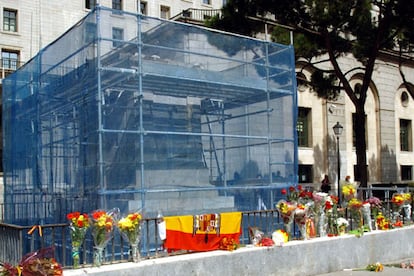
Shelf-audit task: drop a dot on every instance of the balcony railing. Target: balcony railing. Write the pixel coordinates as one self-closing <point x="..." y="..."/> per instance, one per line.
<point x="196" y="16"/>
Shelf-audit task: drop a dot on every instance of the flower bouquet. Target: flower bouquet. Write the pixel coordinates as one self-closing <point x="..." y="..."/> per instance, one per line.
<point x="287" y="211"/>
<point x="102" y="224"/>
<point x="228" y="244"/>
<point x="320" y="200"/>
<point x="331" y="211"/>
<point x="401" y="202"/>
<point x="300" y="217"/>
<point x="355" y="206"/>
<point x="349" y="192"/>
<point x="280" y="237"/>
<point x="292" y="194"/>
<point x="382" y="222"/>
<point x="41" y="262"/>
<point x="342" y="225"/>
<point x="375" y="205"/>
<point x="130" y="228"/>
<point x="78" y="226"/>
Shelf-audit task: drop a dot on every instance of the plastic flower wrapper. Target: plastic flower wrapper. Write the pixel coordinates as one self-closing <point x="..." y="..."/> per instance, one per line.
<point x="256" y="235"/>
<point x="79" y="224"/>
<point x="286" y="211"/>
<point x="38" y="263"/>
<point x="102" y="226"/>
<point x="280" y="237"/>
<point x="300" y="217"/>
<point x="366" y="212"/>
<point x="130" y="228"/>
<point x="318" y="210"/>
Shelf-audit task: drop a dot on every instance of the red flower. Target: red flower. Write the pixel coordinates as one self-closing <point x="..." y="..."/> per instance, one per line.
<point x="97" y="214"/>
<point x="328" y="205"/>
<point x="300" y="187"/>
<point x="335" y="199"/>
<point x="291" y="189"/>
<point x="284" y="191"/>
<point x="73" y="215"/>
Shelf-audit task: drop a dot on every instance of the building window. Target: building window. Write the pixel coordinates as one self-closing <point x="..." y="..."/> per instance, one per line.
<point x="165" y="12"/>
<point x="207" y="2"/>
<point x="305" y="174"/>
<point x="354" y="138"/>
<point x="143" y="8"/>
<point x="9" y="59"/>
<point x="90" y="4"/>
<point x="406" y="173"/>
<point x="404" y="98"/>
<point x="117" y="34"/>
<point x="405" y="135"/>
<point x="303" y="127"/>
<point x="9" y="62"/>
<point x="117" y="5"/>
<point x="10" y="20"/>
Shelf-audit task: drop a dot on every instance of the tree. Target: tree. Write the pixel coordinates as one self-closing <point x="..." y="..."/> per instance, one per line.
<point x="329" y="29"/>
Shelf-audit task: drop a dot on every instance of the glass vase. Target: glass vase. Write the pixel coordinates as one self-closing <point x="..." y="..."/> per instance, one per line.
<point x="303" y="233"/>
<point x="407" y="212"/>
<point x="98" y="256"/>
<point x="288" y="229"/>
<point x="134" y="253"/>
<point x="75" y="256"/>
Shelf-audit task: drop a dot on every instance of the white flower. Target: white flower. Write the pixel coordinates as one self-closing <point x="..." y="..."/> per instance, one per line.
<point x="342" y="222"/>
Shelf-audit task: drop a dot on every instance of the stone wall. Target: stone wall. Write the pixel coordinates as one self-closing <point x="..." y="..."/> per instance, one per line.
<point x="312" y="257"/>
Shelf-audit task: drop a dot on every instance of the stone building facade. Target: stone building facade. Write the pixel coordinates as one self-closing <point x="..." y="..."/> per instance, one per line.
<point x="26" y="26"/>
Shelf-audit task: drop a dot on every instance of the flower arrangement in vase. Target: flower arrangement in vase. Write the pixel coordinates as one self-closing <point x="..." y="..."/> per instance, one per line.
<point x="401" y="201"/>
<point x="331" y="210"/>
<point x="318" y="210"/>
<point x="287" y="211"/>
<point x="102" y="225"/>
<point x="355" y="206"/>
<point x="130" y="228"/>
<point x="79" y="224"/>
<point x="382" y="222"/>
<point x="342" y="225"/>
<point x="300" y="218"/>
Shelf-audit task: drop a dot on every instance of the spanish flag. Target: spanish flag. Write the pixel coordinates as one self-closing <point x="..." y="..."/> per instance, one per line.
<point x="201" y="232"/>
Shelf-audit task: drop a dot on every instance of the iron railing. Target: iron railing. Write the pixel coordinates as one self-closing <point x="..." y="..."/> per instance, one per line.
<point x="196" y="16"/>
<point x="18" y="242"/>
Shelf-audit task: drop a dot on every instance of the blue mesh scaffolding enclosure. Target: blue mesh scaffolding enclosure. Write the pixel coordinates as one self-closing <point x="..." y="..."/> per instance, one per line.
<point x="140" y="113"/>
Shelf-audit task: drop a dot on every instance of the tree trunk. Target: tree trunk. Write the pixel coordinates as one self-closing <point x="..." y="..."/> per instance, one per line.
<point x="360" y="144"/>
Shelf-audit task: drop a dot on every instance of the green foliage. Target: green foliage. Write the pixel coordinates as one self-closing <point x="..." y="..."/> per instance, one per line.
<point x="331" y="29"/>
<point x="324" y="85"/>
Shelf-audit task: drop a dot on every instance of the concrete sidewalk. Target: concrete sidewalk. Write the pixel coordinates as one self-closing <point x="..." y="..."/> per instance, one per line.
<point x="388" y="271"/>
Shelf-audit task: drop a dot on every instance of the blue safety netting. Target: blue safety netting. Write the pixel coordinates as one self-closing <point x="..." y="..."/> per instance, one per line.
<point x="134" y="112"/>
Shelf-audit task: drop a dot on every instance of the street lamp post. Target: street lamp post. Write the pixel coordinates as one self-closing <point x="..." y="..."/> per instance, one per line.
<point x="338" y="131"/>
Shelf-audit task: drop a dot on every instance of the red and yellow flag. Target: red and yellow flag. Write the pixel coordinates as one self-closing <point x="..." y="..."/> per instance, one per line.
<point x="203" y="232"/>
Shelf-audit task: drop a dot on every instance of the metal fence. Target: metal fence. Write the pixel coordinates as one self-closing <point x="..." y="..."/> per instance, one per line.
<point x="19" y="242"/>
